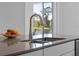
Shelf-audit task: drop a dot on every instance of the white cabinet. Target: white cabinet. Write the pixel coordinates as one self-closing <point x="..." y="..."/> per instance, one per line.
<point x="70" y="53"/>
<point x="35" y="53"/>
<point x="59" y="49"/>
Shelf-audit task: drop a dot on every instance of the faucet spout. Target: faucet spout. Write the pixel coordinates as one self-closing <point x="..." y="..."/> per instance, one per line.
<point x="30" y="29"/>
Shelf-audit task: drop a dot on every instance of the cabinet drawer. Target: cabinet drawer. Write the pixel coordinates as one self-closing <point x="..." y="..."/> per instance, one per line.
<point x="59" y="49"/>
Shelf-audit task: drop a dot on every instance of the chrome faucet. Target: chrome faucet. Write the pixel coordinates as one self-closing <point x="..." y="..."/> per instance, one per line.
<point x="30" y="29"/>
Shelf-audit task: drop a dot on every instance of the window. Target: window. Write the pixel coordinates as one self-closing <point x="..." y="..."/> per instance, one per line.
<point x="45" y="10"/>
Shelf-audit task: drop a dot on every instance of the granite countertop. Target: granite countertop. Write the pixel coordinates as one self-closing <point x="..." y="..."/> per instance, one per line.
<point x="20" y="45"/>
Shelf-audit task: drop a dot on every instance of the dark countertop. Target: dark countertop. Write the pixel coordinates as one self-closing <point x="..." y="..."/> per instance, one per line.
<point x="18" y="46"/>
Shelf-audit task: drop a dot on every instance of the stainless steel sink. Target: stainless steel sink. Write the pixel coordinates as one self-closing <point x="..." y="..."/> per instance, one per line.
<point x="39" y="41"/>
<point x="53" y="39"/>
<point x="46" y="40"/>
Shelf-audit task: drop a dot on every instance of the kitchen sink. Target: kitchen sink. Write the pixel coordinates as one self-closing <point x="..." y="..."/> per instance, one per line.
<point x="53" y="39"/>
<point x="46" y="40"/>
<point x="39" y="41"/>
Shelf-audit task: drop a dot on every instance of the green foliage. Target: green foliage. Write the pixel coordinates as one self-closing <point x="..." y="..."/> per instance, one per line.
<point x="38" y="26"/>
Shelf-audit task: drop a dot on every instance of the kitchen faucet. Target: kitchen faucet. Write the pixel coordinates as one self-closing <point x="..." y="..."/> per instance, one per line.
<point x="30" y="29"/>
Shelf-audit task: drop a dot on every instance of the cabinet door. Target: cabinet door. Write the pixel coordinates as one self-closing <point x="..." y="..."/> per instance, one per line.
<point x="70" y="53"/>
<point x="59" y="49"/>
<point x="35" y="53"/>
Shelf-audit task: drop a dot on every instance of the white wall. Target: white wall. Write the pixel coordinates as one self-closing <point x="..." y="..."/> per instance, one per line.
<point x="28" y="14"/>
<point x="12" y="15"/>
<point x="67" y="17"/>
